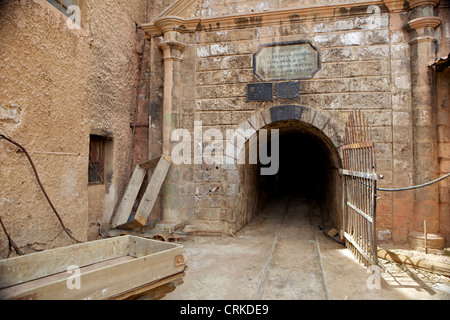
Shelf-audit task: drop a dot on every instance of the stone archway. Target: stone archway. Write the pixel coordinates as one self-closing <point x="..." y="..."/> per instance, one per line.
<point x="305" y="127"/>
<point x="331" y="128"/>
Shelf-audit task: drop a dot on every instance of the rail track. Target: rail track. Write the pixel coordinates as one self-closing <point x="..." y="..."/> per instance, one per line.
<point x="303" y="274"/>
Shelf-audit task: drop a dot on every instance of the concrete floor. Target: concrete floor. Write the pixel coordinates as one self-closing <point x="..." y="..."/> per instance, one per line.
<point x="276" y="257"/>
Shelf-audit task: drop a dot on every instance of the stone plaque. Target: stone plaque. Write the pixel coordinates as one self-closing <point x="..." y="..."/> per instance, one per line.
<point x="286" y="61"/>
<point x="259" y="92"/>
<point x="288" y="90"/>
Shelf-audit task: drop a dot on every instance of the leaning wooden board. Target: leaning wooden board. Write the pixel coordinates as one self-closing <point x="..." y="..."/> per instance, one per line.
<point x="107" y="269"/>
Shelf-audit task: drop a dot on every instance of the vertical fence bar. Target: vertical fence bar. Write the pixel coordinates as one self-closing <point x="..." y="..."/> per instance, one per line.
<point x="359" y="185"/>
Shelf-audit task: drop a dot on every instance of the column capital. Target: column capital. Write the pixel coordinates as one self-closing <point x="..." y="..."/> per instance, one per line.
<point x="169" y="23"/>
<point x="394" y="5"/>
<point x="424" y="22"/>
<point x="172" y="45"/>
<point x="170" y="29"/>
<point x="398" y="5"/>
<point x="419" y="32"/>
<point x="418" y="3"/>
<point x="172" y="49"/>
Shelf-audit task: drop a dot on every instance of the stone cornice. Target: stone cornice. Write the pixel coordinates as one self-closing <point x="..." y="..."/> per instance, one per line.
<point x="267" y="18"/>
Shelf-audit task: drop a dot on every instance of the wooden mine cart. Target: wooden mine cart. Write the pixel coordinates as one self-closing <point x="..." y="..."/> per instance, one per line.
<point x="126" y="267"/>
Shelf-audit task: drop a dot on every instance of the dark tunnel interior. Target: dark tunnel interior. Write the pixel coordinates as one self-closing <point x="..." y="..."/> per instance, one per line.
<point x="304" y="166"/>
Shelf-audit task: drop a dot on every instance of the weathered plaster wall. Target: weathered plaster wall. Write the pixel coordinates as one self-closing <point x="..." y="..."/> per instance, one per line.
<point x="43" y="105"/>
<point x="115" y="52"/>
<point x="58" y="86"/>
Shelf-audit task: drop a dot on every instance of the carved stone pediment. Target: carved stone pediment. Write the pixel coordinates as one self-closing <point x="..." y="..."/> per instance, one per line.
<point x="198" y="15"/>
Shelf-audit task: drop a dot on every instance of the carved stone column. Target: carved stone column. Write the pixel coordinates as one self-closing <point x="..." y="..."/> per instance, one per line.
<point x="421" y="27"/>
<point x="172" y="49"/>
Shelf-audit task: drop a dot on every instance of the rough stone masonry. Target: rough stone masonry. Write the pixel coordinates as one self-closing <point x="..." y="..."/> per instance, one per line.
<point x="373" y="56"/>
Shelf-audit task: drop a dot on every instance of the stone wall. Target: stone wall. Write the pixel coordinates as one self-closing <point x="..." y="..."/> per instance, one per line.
<point x="355" y="53"/>
<point x="365" y="64"/>
<point x="356" y="73"/>
<point x="443" y="123"/>
<point x="207" y="8"/>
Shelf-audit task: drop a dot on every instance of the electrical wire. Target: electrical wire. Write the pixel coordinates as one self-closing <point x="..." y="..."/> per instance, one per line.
<point x="10" y="240"/>
<point x="66" y="230"/>
<point x="330" y="237"/>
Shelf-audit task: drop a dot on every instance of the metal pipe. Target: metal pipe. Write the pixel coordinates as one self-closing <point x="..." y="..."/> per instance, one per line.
<point x="417" y="186"/>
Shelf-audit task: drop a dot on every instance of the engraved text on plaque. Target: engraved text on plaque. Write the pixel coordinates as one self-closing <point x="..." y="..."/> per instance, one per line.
<point x="287" y="60"/>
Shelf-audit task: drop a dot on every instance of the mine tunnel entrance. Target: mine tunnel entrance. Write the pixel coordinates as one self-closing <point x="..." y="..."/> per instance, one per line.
<point x="303" y="167"/>
<point x="308" y="171"/>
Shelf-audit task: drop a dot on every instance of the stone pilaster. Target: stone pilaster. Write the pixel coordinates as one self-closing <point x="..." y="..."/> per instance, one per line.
<point x="421" y="27"/>
<point x="172" y="49"/>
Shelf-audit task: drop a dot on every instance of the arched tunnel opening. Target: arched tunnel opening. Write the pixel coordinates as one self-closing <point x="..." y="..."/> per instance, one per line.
<point x="303" y="167"/>
<point x="307" y="171"/>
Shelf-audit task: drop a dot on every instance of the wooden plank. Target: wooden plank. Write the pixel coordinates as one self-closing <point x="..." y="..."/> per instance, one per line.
<point x="140" y="247"/>
<point x="145" y="289"/>
<point x="17" y="290"/>
<point x="128" y="199"/>
<point x="154" y="186"/>
<point x="150" y="164"/>
<point x="428" y="265"/>
<point x="137" y="222"/>
<point x="150" y="234"/>
<point x="40" y="264"/>
<point x="107" y="281"/>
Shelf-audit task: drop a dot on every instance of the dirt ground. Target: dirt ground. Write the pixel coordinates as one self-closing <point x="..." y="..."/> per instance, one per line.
<point x="281" y="256"/>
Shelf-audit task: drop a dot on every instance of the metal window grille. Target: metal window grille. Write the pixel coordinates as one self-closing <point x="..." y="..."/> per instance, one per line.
<point x="96" y="160"/>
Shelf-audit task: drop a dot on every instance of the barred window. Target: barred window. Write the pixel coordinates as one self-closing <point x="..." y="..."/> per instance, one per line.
<point x="96" y="160"/>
